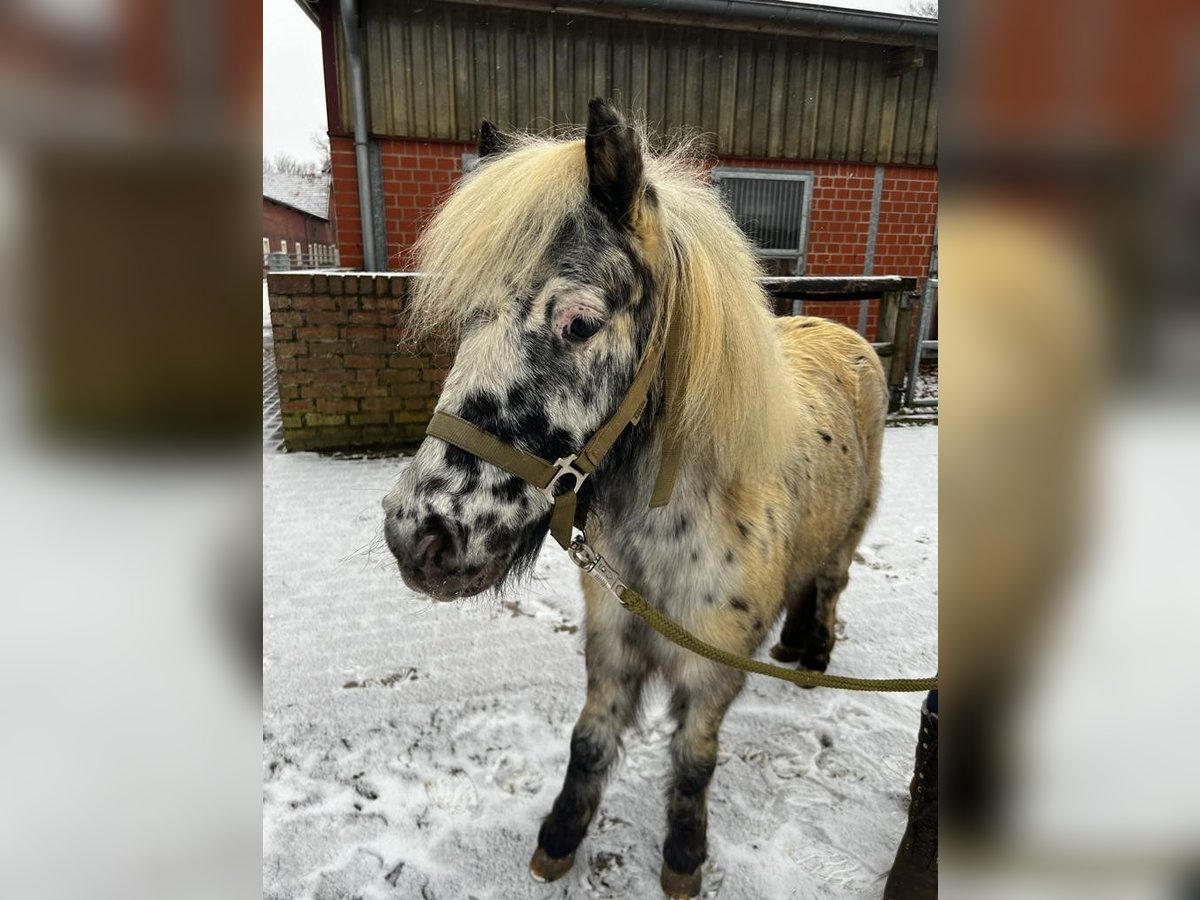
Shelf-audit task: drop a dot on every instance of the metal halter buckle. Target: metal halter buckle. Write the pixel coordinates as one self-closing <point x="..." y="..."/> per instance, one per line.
<point x="597" y="566"/>
<point x="565" y="466"/>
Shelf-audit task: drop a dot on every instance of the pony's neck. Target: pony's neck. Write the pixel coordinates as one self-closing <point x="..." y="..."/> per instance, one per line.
<point x="624" y="487"/>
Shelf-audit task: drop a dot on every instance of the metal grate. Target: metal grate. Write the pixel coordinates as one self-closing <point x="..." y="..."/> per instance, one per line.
<point x="770" y="207"/>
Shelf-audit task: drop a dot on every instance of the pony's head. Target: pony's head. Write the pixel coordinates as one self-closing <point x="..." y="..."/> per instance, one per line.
<point x="556" y="262"/>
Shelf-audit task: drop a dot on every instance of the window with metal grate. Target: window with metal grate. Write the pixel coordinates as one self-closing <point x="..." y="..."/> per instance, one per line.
<point x="771" y="207"/>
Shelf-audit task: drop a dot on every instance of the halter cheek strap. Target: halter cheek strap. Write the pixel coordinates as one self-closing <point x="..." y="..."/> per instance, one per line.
<point x="552" y="478"/>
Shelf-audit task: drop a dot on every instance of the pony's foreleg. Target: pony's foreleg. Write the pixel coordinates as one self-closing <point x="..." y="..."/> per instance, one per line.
<point x="699" y="712"/>
<point x="616" y="672"/>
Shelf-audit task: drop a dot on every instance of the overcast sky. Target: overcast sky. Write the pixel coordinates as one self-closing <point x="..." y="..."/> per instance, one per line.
<point x="293" y="91"/>
<point x="293" y="82"/>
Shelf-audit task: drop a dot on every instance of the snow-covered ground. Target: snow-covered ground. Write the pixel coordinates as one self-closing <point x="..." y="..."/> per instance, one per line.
<point x="411" y="749"/>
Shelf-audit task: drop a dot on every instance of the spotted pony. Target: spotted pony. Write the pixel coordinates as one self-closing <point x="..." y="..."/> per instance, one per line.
<point x="557" y="262"/>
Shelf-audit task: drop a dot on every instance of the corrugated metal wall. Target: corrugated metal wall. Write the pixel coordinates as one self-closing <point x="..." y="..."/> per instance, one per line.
<point x="436" y="69"/>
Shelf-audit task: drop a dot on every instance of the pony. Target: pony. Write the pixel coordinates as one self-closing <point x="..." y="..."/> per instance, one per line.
<point x="557" y="262"/>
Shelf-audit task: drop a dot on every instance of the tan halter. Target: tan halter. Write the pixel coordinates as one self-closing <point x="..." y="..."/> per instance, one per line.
<point x="550" y="477"/>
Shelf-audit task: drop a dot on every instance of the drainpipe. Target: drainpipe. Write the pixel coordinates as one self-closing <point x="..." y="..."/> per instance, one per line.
<point x="358" y="105"/>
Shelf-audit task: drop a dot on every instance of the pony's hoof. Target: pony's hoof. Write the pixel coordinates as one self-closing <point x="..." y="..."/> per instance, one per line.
<point x="678" y="886"/>
<point x="544" y="867"/>
<point x="785" y="654"/>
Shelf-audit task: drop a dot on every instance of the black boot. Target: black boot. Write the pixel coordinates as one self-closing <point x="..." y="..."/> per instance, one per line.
<point x="914" y="871"/>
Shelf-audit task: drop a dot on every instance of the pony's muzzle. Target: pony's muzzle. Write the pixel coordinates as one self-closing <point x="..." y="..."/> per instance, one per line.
<point x="431" y="559"/>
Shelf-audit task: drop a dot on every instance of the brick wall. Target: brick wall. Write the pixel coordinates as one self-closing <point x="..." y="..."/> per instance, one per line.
<point x="348" y="377"/>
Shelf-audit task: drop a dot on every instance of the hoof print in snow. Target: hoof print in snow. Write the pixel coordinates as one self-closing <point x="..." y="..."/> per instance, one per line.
<point x="515" y="777"/>
<point x="836" y="764"/>
<point x="453" y="792"/>
<point x="607" y="870"/>
<point x="790" y="766"/>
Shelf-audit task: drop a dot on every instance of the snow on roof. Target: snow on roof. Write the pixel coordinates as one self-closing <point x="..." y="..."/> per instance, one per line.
<point x="307" y="193"/>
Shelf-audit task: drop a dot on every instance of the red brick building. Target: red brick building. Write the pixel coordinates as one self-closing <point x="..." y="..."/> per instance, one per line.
<point x="296" y="220"/>
<point x="820" y="125"/>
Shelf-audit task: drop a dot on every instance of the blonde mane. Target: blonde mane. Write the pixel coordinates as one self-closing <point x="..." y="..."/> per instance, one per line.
<point x="736" y="410"/>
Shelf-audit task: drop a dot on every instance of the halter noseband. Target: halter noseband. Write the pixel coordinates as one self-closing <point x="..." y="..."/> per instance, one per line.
<point x="547" y="477"/>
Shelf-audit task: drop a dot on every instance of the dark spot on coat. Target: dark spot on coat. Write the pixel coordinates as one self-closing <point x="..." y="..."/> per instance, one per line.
<point x="739" y="604"/>
<point x="845" y="449"/>
<point x="434" y="484"/>
<point x="695" y="556"/>
<point x="744" y="529"/>
<point x="710" y="599"/>
<point x="729" y="557"/>
<point x="482" y="408"/>
<point x="509" y="489"/>
<point x="499" y="540"/>
<point x="457" y="458"/>
<point x="826" y="437"/>
<point x="681" y="527"/>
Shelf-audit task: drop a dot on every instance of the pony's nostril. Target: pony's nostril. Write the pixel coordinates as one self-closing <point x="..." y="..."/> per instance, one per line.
<point x="438" y="546"/>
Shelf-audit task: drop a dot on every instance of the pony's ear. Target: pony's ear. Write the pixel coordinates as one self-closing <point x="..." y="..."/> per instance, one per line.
<point x="614" y="162"/>
<point x="490" y="139"/>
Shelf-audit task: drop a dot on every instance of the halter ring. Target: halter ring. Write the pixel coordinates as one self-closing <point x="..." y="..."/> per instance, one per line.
<point x="565" y="466"/>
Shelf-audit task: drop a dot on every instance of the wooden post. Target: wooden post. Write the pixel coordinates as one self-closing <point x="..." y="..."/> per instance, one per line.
<point x="889" y="303"/>
<point x="901" y="347"/>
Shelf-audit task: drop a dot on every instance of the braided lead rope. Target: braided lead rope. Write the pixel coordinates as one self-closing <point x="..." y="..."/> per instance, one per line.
<point x="677" y="634"/>
<point x="597" y="566"/>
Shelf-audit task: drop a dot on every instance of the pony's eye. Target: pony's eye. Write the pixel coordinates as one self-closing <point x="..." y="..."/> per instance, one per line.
<point x="581" y="329"/>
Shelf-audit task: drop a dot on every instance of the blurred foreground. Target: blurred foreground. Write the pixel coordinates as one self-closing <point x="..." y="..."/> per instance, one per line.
<point x="128" y="459"/>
